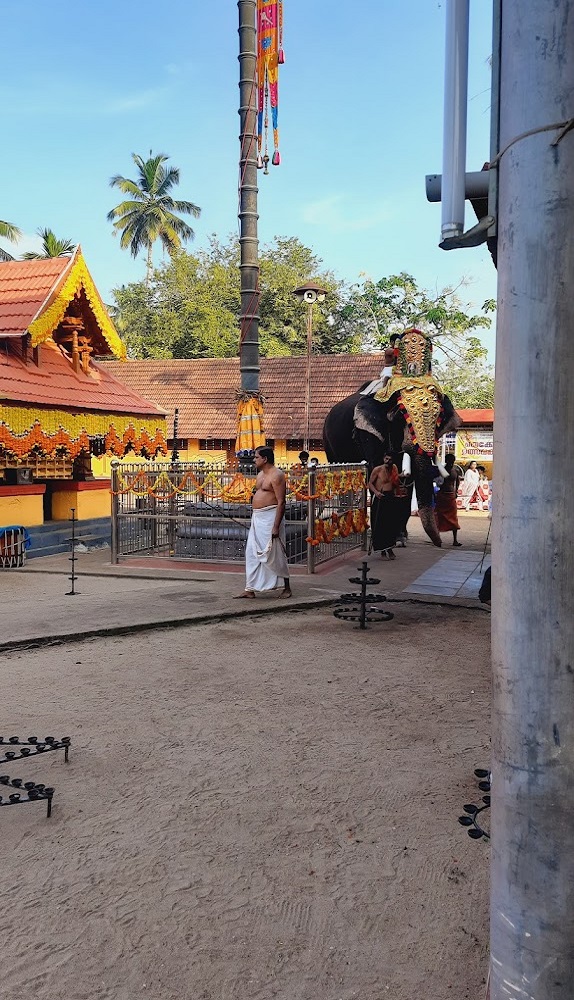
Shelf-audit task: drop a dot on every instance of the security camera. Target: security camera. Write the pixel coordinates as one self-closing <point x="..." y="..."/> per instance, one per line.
<point x="310" y="296"/>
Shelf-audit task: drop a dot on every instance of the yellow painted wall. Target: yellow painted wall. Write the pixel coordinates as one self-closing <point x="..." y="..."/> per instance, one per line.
<point x="101" y="467"/>
<point x="25" y="510"/>
<point x="87" y="503"/>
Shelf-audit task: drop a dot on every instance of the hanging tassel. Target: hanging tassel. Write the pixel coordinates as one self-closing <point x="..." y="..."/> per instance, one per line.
<point x="260" y="162"/>
<point x="281" y="57"/>
<point x="276" y="158"/>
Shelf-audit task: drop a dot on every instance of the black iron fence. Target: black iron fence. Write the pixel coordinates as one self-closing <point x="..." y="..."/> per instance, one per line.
<point x="195" y="510"/>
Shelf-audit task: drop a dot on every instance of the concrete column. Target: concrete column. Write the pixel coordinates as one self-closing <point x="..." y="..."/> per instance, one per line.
<point x="532" y="912"/>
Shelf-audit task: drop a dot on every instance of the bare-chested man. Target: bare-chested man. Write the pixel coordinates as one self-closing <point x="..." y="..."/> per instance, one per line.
<point x="385" y="512"/>
<point x="265" y="555"/>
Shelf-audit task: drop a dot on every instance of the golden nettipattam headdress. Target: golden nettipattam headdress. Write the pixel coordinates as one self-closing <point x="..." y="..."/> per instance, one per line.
<point x="415" y="354"/>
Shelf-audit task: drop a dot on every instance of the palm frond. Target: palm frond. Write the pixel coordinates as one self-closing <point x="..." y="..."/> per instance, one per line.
<point x="51" y="247"/>
<point x="153" y="213"/>
<point x="9" y="231"/>
<point x="127" y="186"/>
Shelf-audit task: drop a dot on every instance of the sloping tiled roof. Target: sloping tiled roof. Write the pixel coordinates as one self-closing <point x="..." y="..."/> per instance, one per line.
<point x="36" y="294"/>
<point x="25" y="286"/>
<point x="476" y="416"/>
<point x="54" y="383"/>
<point x="204" y="390"/>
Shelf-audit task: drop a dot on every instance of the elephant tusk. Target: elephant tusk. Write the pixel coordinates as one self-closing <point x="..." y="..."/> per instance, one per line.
<point x="406" y="466"/>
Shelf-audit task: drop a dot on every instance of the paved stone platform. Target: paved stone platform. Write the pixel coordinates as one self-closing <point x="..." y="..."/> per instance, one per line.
<point x="146" y="593"/>
<point x="458" y="574"/>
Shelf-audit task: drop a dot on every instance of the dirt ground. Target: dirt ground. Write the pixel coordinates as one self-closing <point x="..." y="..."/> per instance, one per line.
<point x="261" y="808"/>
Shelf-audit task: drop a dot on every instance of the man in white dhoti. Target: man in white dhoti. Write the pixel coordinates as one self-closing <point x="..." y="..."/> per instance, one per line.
<point x="265" y="556"/>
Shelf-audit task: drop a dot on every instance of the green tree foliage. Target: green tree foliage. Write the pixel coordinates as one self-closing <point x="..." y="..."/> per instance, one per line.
<point x="466" y="377"/>
<point x="190" y="309"/>
<point x="391" y="305"/>
<point x="151" y="213"/>
<point x="51" y="247"/>
<point x="10" y="232"/>
<point x="192" y="304"/>
<point x="377" y="309"/>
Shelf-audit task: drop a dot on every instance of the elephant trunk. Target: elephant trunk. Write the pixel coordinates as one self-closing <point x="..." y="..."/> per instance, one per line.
<point x="428" y="521"/>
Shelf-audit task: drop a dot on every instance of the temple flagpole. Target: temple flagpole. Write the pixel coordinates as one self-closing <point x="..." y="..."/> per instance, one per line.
<point x="248" y="190"/>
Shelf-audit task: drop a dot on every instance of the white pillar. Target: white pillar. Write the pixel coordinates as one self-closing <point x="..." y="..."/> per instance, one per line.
<point x="532" y="897"/>
<point x="455" y="104"/>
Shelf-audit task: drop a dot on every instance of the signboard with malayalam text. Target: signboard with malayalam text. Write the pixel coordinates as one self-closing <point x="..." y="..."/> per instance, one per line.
<point x="474" y="445"/>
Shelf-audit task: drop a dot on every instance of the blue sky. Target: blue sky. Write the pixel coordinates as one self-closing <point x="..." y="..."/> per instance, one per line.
<point x="361" y="95"/>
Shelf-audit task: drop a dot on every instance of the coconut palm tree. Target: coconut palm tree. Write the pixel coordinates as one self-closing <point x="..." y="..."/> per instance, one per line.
<point x="150" y="212"/>
<point x="51" y="247"/>
<point x="8" y="232"/>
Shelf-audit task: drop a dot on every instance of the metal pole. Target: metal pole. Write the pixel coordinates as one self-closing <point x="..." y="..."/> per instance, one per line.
<point x="174" y="476"/>
<point x="115" y="511"/>
<point x="311" y="515"/>
<point x="532" y="896"/>
<point x="364" y="498"/>
<point x="248" y="240"/>
<point x="455" y="101"/>
<point x="307" y="440"/>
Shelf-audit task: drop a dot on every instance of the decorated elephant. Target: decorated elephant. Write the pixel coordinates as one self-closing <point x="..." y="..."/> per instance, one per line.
<point x="406" y="415"/>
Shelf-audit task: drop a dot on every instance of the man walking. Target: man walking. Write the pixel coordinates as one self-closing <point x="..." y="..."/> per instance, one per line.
<point x="446" y="509"/>
<point x="265" y="555"/>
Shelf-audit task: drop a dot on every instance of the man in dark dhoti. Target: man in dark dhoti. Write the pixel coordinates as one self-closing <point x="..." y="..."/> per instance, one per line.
<point x="385" y="510"/>
<point x="446" y="510"/>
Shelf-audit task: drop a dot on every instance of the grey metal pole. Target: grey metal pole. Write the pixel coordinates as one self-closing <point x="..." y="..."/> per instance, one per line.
<point x="115" y="535"/>
<point x="532" y="896"/>
<point x="455" y="102"/>
<point x="307" y="438"/>
<point x="311" y="515"/>
<point x="248" y="239"/>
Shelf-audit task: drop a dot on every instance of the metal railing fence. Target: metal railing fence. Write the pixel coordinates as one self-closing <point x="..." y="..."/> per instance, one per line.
<point x="195" y="510"/>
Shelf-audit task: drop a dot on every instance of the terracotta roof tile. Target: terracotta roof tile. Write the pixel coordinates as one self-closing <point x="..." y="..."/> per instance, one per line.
<point x="204" y="390"/>
<point x="24" y="287"/>
<point x="54" y="383"/>
<point x="476" y="416"/>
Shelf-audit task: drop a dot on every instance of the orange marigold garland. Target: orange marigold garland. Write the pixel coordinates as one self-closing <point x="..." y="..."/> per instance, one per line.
<point x="43" y="437"/>
<point x="338" y="526"/>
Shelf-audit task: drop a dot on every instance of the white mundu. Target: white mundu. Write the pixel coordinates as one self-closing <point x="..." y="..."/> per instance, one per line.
<point x="266" y="566"/>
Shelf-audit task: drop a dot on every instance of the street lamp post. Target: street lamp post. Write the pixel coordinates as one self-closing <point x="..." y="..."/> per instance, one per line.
<point x="310" y="293"/>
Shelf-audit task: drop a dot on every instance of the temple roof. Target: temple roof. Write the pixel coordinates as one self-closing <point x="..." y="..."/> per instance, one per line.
<point x="476" y="416"/>
<point x="54" y="383"/>
<point x="37" y="299"/>
<point x="35" y="295"/>
<point x="204" y="390"/>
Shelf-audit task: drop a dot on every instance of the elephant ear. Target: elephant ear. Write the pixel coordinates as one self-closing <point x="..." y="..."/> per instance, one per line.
<point x="449" y="420"/>
<point x="371" y="416"/>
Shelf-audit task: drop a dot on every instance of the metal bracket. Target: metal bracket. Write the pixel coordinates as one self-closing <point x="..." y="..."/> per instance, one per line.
<point x="472" y="238"/>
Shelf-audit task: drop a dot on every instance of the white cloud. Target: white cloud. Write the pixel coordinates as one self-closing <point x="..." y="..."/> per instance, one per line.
<point x="340" y="214"/>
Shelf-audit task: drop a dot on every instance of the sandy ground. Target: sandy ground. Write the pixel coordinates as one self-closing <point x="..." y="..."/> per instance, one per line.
<point x="260" y="808"/>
